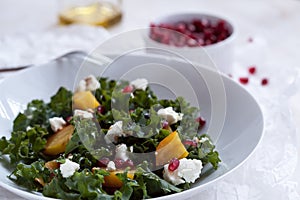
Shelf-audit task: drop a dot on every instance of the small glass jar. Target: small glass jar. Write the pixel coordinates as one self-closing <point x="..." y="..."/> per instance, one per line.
<point x="93" y="12"/>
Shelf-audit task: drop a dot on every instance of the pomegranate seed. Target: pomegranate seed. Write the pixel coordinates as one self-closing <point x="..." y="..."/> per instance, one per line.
<point x="244" y="80"/>
<point x="69" y="118"/>
<point x="192" y="43"/>
<point x="181" y="27"/>
<point x="189" y="142"/>
<point x="191" y="27"/>
<point x="103" y="162"/>
<point x="128" y="163"/>
<point x="119" y="163"/>
<point x="128" y="89"/>
<point x="165" y="125"/>
<point x="252" y="69"/>
<point x="250" y="39"/>
<point x="201" y="121"/>
<point x="173" y="164"/>
<point x="198" y="29"/>
<point x="264" y="81"/>
<point x="101" y="109"/>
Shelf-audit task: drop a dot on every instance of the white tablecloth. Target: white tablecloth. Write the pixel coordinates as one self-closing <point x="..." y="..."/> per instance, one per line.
<point x="274" y="26"/>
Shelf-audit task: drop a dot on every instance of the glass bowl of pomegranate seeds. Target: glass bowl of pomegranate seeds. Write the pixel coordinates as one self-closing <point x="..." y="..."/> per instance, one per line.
<point x="203" y="38"/>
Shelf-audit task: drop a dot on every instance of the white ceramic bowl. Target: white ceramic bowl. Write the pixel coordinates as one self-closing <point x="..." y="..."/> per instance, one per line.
<point x="218" y="55"/>
<point x="228" y="105"/>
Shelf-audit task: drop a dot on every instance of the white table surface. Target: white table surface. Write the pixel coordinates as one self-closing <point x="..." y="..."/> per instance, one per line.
<point x="275" y="22"/>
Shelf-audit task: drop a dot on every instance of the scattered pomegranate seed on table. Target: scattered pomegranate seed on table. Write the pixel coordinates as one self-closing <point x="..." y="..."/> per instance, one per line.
<point x="173" y="164"/>
<point x="252" y="69"/>
<point x="264" y="81"/>
<point x="244" y="80"/>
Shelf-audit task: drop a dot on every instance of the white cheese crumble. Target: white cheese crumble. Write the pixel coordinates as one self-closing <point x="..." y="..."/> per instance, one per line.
<point x="89" y="83"/>
<point x="170" y="115"/>
<point x="28" y="128"/>
<point x="68" y="168"/>
<point x="188" y="171"/>
<point x="121" y="152"/>
<point x="83" y="114"/>
<point x="131" y="149"/>
<point x="57" y="123"/>
<point x="114" y="131"/>
<point x="196" y="140"/>
<point x="204" y="139"/>
<point x="140" y="83"/>
<point x="111" y="166"/>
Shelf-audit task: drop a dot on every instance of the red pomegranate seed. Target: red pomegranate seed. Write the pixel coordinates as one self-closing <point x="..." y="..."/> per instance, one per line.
<point x="244" y="80"/>
<point x="173" y="164"/>
<point x="252" y="69"/>
<point x="192" y="43"/>
<point x="181" y="27"/>
<point x="189" y="142"/>
<point x="119" y="163"/>
<point x="128" y="89"/>
<point x="69" y="118"/>
<point x="101" y="109"/>
<point x="103" y="162"/>
<point x="165" y="125"/>
<point x="201" y="121"/>
<point x="199" y="29"/>
<point x="264" y="81"/>
<point x="128" y="163"/>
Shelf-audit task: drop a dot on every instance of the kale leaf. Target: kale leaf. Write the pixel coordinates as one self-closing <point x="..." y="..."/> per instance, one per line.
<point x="24" y="145"/>
<point x="205" y="151"/>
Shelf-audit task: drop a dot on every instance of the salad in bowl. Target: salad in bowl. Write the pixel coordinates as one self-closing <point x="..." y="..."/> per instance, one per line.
<point x="108" y="140"/>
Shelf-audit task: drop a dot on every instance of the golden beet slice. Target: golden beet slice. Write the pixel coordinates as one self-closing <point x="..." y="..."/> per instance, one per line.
<point x="170" y="147"/>
<point x="52" y="165"/>
<point x="57" y="142"/>
<point x="85" y="100"/>
<point x="112" y="181"/>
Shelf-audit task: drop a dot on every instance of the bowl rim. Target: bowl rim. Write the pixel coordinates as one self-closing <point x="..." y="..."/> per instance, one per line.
<point x="183" y="15"/>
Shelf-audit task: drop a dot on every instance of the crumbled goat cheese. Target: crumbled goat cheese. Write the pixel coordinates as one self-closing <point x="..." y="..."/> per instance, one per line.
<point x="89" y="83"/>
<point x="188" y="171"/>
<point x="68" y="168"/>
<point x="28" y="128"/>
<point x="131" y="149"/>
<point x="83" y="114"/>
<point x="204" y="139"/>
<point x="170" y="115"/>
<point x="57" y="123"/>
<point x="140" y="83"/>
<point x="121" y="152"/>
<point x="81" y="86"/>
<point x="114" y="131"/>
<point x="196" y="140"/>
<point x="111" y="166"/>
